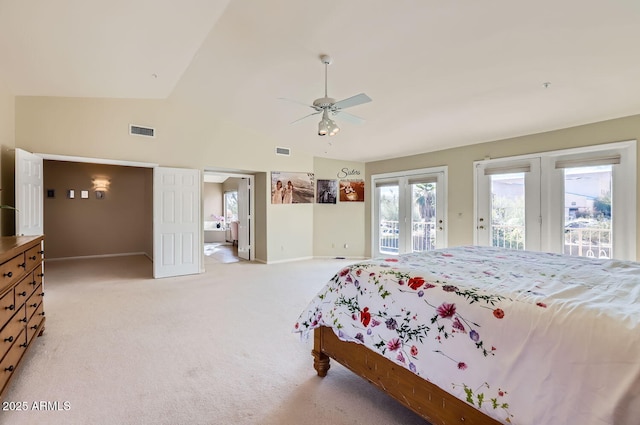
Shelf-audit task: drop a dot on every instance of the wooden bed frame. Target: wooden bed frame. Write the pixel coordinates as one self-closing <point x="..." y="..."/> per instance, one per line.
<point x="426" y="399"/>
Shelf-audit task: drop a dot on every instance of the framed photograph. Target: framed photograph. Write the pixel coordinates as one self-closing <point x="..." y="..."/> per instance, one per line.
<point x="351" y="190"/>
<point x="292" y="188"/>
<point x="100" y="194"/>
<point x="51" y="193"/>
<point x="84" y="194"/>
<point x="71" y="193"/>
<point x="327" y="192"/>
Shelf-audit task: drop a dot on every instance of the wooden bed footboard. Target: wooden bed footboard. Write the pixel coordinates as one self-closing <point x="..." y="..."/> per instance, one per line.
<point x="426" y="399"/>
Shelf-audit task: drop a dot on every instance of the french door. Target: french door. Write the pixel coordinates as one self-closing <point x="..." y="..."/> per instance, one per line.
<point x="578" y="202"/>
<point x="508" y="211"/>
<point x="409" y="212"/>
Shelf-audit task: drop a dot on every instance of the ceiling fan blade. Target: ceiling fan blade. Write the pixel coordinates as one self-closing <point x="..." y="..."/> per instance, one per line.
<point x="349" y="117"/>
<point x="301" y="103"/>
<point x="306" y="116"/>
<point x="352" y="101"/>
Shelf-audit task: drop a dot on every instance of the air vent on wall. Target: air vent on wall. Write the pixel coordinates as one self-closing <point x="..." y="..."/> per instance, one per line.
<point x="283" y="151"/>
<point x="137" y="130"/>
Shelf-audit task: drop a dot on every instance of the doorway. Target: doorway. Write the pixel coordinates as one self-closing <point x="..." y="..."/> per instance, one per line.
<point x="227" y="211"/>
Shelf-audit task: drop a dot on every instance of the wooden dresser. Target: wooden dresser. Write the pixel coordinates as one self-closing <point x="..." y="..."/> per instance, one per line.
<point x="21" y="300"/>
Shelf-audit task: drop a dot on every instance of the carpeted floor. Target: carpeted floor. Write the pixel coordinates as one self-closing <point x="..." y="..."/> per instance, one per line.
<point x="216" y="348"/>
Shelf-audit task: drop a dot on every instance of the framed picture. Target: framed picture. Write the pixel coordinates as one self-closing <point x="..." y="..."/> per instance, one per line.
<point x="99" y="194"/>
<point x="351" y="190"/>
<point x="327" y="192"/>
<point x="84" y="194"/>
<point x="292" y="188"/>
<point x="51" y="193"/>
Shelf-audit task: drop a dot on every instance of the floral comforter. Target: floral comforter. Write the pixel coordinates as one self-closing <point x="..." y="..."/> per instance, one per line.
<point x="526" y="337"/>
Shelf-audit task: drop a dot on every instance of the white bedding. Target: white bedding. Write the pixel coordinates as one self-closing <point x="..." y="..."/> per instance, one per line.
<point x="528" y="338"/>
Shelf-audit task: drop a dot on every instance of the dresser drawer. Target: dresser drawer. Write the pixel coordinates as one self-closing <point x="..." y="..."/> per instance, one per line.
<point x="34" y="322"/>
<point x="10" y="361"/>
<point x="34" y="301"/>
<point x="23" y="290"/>
<point x="12" y="270"/>
<point x="9" y="334"/>
<point x="33" y="256"/>
<point x="38" y="275"/>
<point x="7" y="305"/>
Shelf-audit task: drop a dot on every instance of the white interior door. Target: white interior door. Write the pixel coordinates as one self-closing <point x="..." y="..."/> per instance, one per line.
<point x="244" y="219"/>
<point x="29" y="194"/>
<point x="176" y="222"/>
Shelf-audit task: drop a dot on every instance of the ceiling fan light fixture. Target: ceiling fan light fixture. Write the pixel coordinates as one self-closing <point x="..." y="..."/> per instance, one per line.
<point x="322" y="128"/>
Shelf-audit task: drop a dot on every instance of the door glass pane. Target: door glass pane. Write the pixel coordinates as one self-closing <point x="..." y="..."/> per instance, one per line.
<point x="231" y="206"/>
<point x="389" y="211"/>
<point x="423" y="217"/>
<point x="508" y="211"/>
<point x="587" y="211"/>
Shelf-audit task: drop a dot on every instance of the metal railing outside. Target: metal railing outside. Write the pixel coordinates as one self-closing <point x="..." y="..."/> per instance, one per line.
<point x="423" y="236"/>
<point x="588" y="242"/>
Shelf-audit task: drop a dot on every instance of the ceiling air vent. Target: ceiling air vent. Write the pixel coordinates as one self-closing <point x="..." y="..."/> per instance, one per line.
<point x="137" y="130"/>
<point x="283" y="151"/>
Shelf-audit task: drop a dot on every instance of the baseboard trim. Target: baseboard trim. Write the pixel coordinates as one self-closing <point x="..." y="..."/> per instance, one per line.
<point x="88" y="257"/>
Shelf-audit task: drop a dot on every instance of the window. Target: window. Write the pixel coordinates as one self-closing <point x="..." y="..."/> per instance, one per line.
<point x="579" y="202"/>
<point x="231" y="206"/>
<point x="409" y="211"/>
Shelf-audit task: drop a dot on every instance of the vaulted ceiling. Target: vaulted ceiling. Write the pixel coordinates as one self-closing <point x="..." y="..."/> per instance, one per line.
<point x="440" y="73"/>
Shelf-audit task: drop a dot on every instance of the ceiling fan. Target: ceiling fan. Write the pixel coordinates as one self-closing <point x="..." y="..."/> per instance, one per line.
<point x="327" y="105"/>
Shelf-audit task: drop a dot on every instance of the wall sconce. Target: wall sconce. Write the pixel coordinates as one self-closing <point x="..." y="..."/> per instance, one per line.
<point x="101" y="184"/>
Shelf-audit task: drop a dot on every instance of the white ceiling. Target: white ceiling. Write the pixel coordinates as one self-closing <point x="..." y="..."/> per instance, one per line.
<point x="440" y="73"/>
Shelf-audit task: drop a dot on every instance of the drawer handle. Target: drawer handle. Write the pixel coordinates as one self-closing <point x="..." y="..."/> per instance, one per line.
<point x="24" y="319"/>
<point x="40" y="252"/>
<point x="23" y="345"/>
<point x="33" y="283"/>
<point x="23" y="293"/>
<point x="34" y="327"/>
<point x="40" y="275"/>
<point x="41" y="314"/>
<point x="10" y="274"/>
<point x="11" y="307"/>
<point x="10" y="339"/>
<point x="34" y="305"/>
<point x="41" y="294"/>
<point x="24" y="265"/>
<point x="9" y="369"/>
<point x="33" y="258"/>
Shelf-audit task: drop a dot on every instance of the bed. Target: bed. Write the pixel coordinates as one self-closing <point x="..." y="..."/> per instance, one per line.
<point x="480" y="335"/>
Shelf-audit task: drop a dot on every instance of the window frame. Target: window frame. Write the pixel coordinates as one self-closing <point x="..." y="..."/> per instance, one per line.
<point x="552" y="189"/>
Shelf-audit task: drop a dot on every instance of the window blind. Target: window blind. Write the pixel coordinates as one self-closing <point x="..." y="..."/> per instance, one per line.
<point x="588" y="162"/>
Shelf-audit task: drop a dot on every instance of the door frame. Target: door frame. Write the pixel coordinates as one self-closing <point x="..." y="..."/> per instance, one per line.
<point x="251" y="178"/>
<point x="441" y="174"/>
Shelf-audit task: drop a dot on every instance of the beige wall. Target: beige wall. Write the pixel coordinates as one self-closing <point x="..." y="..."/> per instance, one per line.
<point x="212" y="201"/>
<point x="7" y="144"/>
<point x="118" y="224"/>
<point x="335" y="225"/>
<point x="460" y="162"/>
<point x="187" y="136"/>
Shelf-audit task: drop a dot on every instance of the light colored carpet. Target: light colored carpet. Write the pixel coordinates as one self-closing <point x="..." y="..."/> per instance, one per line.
<point x="216" y="348"/>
